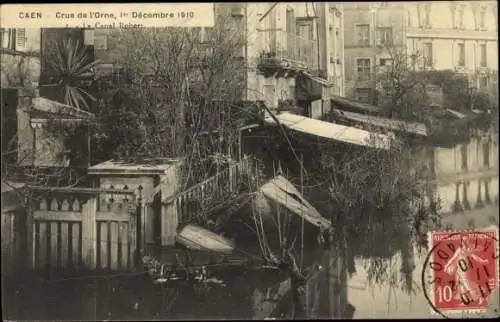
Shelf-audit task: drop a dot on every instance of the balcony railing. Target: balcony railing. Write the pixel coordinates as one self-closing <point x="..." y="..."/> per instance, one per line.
<point x="287" y="50"/>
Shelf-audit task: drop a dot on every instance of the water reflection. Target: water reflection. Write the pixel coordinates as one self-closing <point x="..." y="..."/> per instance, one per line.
<point x="243" y="295"/>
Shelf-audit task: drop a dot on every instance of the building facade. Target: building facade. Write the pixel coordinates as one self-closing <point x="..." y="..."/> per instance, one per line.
<point x="456" y="35"/>
<point x="373" y="33"/>
<point x="443" y="35"/>
<point x="20" y="57"/>
<point x="302" y="39"/>
<point x="287" y="46"/>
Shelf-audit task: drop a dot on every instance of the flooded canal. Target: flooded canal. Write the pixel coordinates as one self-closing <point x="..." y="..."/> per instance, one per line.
<point x="241" y="295"/>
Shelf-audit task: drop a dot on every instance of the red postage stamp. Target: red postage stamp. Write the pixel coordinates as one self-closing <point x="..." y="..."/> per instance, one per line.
<point x="463" y="269"/>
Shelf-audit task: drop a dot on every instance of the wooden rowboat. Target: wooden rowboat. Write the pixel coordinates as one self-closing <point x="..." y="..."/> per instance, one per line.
<point x="198" y="238"/>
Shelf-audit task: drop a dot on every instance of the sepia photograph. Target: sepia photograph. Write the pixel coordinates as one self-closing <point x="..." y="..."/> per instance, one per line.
<point x="250" y="161"/>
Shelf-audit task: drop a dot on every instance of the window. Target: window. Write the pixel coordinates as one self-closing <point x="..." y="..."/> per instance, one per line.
<point x="461" y="17"/>
<point x="363" y="35"/>
<point x="384" y="35"/>
<point x="461" y="55"/>
<point x="453" y="9"/>
<point x="363" y="68"/>
<point x="428" y="54"/>
<point x="385" y="61"/>
<point x="483" y="82"/>
<point x="413" y="60"/>
<point x="484" y="61"/>
<point x="486" y="154"/>
<point x="419" y="16"/>
<point x="14" y="39"/>
<point x="363" y="94"/>
<point x="482" y="19"/>
<point x="427" y="15"/>
<point x="305" y="29"/>
<point x="463" y="150"/>
<point x="7" y="40"/>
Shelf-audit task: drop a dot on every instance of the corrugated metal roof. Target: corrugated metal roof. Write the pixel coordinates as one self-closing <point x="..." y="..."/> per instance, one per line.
<point x="356" y="104"/>
<point x="284" y="192"/>
<point x="392" y="124"/>
<point x="332" y="131"/>
<point x="320" y="80"/>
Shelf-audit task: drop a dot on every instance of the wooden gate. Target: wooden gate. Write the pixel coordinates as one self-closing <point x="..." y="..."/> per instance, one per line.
<point x="84" y="228"/>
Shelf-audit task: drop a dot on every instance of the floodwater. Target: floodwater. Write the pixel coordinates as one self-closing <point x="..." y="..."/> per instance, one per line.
<point x="127" y="298"/>
<point x="138" y="297"/>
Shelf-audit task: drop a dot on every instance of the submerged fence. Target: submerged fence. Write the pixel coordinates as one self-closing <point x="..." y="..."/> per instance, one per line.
<point x="63" y="229"/>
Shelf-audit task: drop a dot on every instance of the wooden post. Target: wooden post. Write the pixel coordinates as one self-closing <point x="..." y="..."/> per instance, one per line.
<point x="334" y="269"/>
<point x="89" y="233"/>
<point x="149" y="223"/>
<point x="30" y="236"/>
<point x="170" y="222"/>
<point x="139" y="240"/>
<point x="169" y="211"/>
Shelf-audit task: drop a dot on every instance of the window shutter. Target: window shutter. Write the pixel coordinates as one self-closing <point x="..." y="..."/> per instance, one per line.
<point x="20" y="39"/>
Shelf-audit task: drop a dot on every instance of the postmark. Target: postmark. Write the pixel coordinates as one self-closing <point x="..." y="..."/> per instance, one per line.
<point x="461" y="270"/>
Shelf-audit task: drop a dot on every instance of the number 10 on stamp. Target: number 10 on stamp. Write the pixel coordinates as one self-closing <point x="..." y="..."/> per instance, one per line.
<point x="464" y="269"/>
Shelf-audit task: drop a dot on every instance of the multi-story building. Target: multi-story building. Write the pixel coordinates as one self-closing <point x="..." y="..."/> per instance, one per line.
<point x="373" y="33"/>
<point x="456" y="35"/>
<point x="304" y="42"/>
<point x="293" y="51"/>
<point x="444" y="35"/>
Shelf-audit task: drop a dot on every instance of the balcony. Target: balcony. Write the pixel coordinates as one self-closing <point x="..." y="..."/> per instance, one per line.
<point x="284" y="51"/>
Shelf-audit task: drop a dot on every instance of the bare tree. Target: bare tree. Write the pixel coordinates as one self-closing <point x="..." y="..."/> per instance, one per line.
<point x="401" y="88"/>
<point x="177" y="94"/>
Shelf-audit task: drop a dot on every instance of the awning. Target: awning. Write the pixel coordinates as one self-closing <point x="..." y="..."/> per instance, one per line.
<point x="391" y="124"/>
<point x="283" y="192"/>
<point x="356" y="105"/>
<point x="319" y="80"/>
<point x="332" y="131"/>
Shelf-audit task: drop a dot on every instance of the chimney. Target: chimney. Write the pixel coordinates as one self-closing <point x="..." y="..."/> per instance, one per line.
<point x="25" y="133"/>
